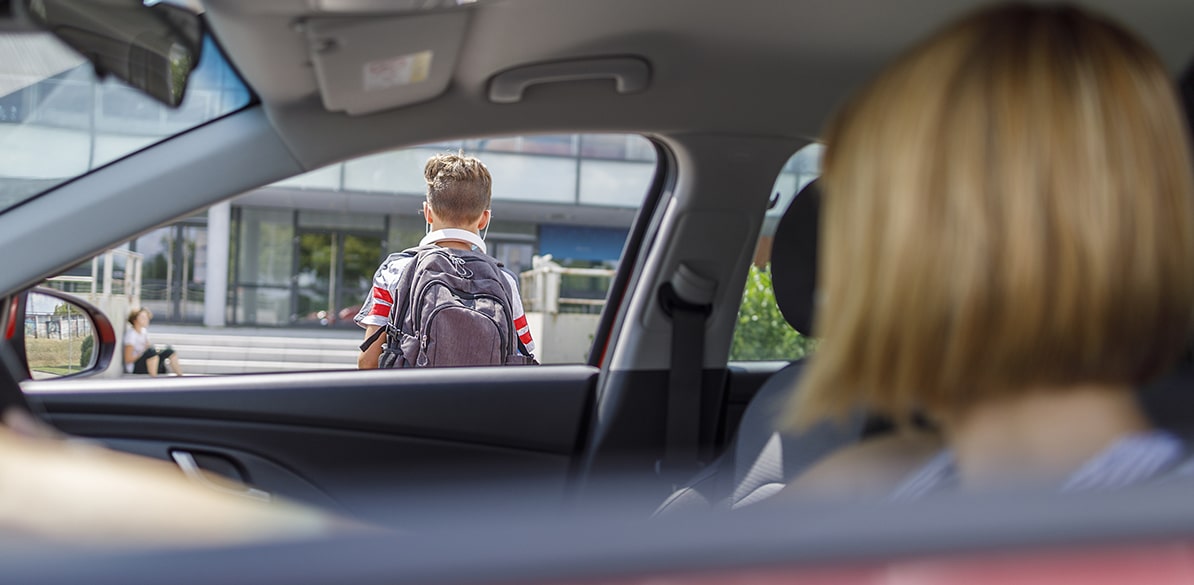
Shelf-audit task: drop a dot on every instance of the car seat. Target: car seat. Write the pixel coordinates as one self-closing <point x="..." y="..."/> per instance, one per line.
<point x="759" y="460"/>
<point x="1168" y="401"/>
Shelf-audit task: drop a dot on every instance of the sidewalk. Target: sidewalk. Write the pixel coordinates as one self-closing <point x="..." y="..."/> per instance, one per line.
<point x="235" y="350"/>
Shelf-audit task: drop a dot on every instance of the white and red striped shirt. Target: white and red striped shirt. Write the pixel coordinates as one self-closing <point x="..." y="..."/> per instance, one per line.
<point x="376" y="309"/>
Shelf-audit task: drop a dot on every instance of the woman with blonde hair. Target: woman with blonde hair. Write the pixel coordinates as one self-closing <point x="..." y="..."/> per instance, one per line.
<point x="1007" y="249"/>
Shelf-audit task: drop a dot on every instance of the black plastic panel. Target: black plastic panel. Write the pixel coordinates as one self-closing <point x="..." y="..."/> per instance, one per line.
<point x="378" y="478"/>
<point x="632" y="421"/>
<point x="530" y="408"/>
<point x="375" y="445"/>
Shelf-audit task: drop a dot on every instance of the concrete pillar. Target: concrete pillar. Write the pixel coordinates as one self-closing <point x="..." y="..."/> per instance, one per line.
<point x="219" y="240"/>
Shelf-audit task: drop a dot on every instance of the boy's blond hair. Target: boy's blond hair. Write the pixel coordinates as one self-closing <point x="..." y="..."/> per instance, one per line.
<point x="1007" y="207"/>
<point x="459" y="187"/>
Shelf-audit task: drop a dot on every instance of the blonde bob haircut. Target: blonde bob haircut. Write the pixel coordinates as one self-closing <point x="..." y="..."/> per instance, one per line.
<point x="1007" y="207"/>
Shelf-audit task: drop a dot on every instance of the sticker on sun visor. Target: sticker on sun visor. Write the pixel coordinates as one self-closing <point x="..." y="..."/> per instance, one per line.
<point x="397" y="71"/>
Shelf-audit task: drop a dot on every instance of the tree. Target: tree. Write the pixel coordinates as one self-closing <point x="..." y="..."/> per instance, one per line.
<point x="762" y="333"/>
<point x="85" y="350"/>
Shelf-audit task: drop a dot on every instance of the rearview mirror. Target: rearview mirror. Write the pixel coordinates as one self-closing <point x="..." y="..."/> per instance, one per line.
<point x="152" y="48"/>
<point x="64" y="336"/>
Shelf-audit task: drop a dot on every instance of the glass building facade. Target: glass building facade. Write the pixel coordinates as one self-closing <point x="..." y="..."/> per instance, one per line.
<point x="302" y="252"/>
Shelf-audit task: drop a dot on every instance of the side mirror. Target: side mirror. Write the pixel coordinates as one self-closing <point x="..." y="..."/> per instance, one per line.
<point x="63" y="336"/>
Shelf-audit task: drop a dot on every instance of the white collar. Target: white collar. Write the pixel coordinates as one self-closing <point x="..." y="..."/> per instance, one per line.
<point x="454" y="234"/>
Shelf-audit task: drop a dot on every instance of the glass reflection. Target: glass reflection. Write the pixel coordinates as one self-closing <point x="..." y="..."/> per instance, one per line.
<point x="58" y="337"/>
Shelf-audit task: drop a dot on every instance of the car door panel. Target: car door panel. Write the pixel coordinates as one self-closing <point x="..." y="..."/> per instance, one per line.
<point x="343" y="437"/>
<point x="631" y="438"/>
<point x="346" y="471"/>
<point x="635" y="440"/>
<point x="271" y="477"/>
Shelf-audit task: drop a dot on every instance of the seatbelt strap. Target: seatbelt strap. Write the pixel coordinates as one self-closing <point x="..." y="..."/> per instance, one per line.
<point x="687" y="299"/>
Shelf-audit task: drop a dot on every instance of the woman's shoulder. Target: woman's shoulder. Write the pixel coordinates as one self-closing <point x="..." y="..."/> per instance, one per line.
<point x="870" y="469"/>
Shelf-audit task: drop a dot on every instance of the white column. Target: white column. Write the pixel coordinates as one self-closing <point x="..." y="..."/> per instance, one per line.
<point x="219" y="240"/>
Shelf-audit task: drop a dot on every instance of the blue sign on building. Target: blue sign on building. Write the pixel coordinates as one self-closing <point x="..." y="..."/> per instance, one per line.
<point x="569" y="242"/>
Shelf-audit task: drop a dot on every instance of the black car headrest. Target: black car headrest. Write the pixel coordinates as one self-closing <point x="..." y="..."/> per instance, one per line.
<point x="794" y="258"/>
<point x="1186" y="86"/>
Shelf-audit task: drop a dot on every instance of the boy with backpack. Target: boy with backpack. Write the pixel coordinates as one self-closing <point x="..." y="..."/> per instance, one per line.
<point x="446" y="302"/>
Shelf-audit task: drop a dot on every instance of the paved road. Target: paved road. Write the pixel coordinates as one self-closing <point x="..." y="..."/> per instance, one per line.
<point x="231" y="350"/>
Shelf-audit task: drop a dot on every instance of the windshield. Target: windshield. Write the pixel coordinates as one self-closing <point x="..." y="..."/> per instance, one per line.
<point x="58" y="121"/>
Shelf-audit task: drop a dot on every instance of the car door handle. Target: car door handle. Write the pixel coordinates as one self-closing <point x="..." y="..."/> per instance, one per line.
<point x="190" y="468"/>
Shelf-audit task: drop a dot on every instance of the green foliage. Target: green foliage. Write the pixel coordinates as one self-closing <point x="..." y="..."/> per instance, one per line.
<point x="762" y="333"/>
<point x="85" y="349"/>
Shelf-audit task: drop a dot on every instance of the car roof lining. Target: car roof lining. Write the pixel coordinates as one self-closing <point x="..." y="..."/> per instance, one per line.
<point x="703" y="58"/>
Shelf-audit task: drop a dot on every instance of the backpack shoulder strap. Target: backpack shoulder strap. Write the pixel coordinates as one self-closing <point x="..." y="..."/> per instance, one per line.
<point x="510" y="292"/>
<point x="404" y="282"/>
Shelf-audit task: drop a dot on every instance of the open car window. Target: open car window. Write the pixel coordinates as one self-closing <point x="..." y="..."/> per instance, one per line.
<point x="761" y="333"/>
<point x="272" y="280"/>
<point x="58" y="121"/>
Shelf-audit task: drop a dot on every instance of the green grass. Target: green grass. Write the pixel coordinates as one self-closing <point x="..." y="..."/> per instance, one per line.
<point x="57" y="370"/>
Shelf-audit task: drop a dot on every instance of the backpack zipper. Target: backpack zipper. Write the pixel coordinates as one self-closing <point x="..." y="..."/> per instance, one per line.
<point x="423" y="336"/>
<point x="418" y="294"/>
<point x="455" y="260"/>
<point x="459" y="261"/>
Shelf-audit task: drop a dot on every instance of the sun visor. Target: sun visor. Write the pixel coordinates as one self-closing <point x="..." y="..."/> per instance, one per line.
<point x="365" y="65"/>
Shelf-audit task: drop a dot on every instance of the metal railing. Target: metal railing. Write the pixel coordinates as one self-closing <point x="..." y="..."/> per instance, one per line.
<point x="542" y="285"/>
<point x="103" y="284"/>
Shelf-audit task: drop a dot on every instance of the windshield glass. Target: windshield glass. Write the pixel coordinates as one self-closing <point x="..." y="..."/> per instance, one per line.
<point x="58" y="121"/>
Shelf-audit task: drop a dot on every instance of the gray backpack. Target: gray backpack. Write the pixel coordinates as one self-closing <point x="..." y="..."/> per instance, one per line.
<point x="452" y="308"/>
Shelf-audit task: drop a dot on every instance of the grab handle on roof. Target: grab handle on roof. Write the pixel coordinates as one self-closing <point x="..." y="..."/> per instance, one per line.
<point x="630" y="74"/>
